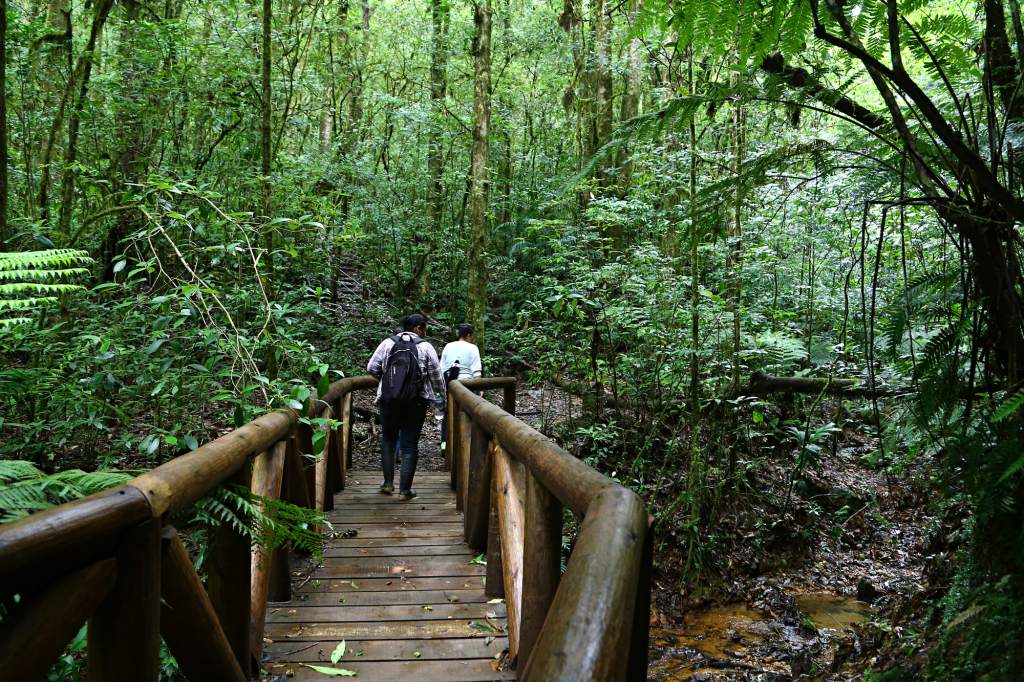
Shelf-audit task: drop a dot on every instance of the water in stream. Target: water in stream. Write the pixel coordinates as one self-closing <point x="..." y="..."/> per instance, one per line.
<point x="738" y="642"/>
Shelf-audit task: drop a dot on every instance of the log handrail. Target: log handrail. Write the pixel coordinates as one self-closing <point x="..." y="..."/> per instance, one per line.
<point x="571" y="626"/>
<point x="149" y="585"/>
<point x="576" y="626"/>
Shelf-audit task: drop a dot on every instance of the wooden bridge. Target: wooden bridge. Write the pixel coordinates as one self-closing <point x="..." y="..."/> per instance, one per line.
<point x="399" y="583"/>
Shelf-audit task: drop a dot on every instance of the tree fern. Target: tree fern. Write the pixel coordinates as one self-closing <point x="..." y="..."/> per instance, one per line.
<point x="25" y="489"/>
<point x="31" y="279"/>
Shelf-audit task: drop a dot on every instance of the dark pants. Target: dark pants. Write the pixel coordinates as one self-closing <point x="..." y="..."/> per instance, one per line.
<point x="402" y="422"/>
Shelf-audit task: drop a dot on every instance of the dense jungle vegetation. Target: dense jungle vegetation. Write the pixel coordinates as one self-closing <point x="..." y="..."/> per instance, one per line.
<point x="660" y="207"/>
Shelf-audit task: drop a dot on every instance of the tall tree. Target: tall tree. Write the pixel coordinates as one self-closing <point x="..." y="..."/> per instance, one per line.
<point x="480" y="220"/>
<point x="265" y="142"/>
<point x="81" y="75"/>
<point x="3" y="125"/>
<point x="439" y="19"/>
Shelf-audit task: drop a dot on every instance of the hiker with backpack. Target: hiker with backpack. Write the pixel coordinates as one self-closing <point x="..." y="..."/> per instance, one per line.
<point x="459" y="360"/>
<point x="410" y="379"/>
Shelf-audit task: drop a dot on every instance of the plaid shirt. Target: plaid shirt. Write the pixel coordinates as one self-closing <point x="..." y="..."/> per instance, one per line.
<point x="430" y="366"/>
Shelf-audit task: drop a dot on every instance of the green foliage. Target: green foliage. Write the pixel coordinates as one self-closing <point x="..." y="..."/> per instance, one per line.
<point x="31" y="279"/>
<point x="266" y="522"/>
<point x="25" y="489"/>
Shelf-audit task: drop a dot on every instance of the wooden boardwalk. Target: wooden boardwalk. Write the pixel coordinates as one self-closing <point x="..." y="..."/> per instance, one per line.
<point x="399" y="586"/>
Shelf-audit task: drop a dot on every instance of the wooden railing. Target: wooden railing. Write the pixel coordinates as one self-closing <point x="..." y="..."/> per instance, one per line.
<point x="511" y="482"/>
<point x="114" y="559"/>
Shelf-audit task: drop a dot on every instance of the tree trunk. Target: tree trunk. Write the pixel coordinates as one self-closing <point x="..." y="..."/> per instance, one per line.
<point x="128" y="166"/>
<point x="439" y="16"/>
<point x="57" y="43"/>
<point x="477" y="266"/>
<point x="602" y="81"/>
<point x="3" y="125"/>
<point x="631" y="98"/>
<point x="84" y="72"/>
<point x="265" y="142"/>
<point x="735" y="257"/>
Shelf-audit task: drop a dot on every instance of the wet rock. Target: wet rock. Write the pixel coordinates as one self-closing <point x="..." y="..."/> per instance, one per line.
<point x="866" y="592"/>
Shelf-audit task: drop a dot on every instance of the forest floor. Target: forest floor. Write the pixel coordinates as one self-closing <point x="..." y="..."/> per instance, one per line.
<point x="801" y="592"/>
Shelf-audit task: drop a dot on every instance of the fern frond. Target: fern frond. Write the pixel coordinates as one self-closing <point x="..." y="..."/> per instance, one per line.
<point x="1009" y="406"/>
<point x="32" y="279"/>
<point x="25" y="489"/>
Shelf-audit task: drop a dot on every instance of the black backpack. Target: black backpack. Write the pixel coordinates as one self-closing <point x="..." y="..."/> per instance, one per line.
<point x="452" y="373"/>
<point x="402" y="378"/>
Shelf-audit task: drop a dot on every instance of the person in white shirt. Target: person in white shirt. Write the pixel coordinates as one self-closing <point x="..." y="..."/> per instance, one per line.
<point x="463" y="353"/>
<point x="459" y="360"/>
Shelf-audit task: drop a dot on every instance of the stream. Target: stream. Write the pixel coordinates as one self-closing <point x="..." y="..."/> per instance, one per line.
<point x="738" y="642"/>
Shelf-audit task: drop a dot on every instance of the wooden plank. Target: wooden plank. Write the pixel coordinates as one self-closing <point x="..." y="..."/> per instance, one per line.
<point x="387" y="630"/>
<point x="410" y="510"/>
<point x="392" y="519"/>
<point x="373" y="496"/>
<point x="363" y="614"/>
<point x="410" y="529"/>
<point x="375" y="499"/>
<point x="365" y="598"/>
<point x="409" y="551"/>
<point x="403" y="671"/>
<point x="396" y="543"/>
<point x="413" y="530"/>
<point x="376" y="650"/>
<point x="394" y="567"/>
<point x="473" y="582"/>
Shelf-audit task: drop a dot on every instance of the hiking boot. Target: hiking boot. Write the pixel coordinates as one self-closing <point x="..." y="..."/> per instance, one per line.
<point x="405" y="497"/>
<point x="386" y="489"/>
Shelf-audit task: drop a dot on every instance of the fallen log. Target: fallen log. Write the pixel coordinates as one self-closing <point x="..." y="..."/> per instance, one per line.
<point x="763" y="384"/>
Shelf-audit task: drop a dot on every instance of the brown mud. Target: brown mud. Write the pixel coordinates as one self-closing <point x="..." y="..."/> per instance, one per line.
<point x="789" y="593"/>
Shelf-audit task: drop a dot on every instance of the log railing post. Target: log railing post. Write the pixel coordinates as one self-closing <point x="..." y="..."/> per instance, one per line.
<point x="346" y="412"/>
<point x="478" y="489"/>
<point x="346" y="437"/>
<point x="465" y="438"/>
<point x="187" y="620"/>
<point x="124" y="631"/>
<point x="510" y="497"/>
<point x="298" y="483"/>
<point x="508" y="402"/>
<point x="542" y="562"/>
<point x="267" y="482"/>
<point x="495" y="585"/>
<point x="636" y="669"/>
<point x="304" y="443"/>
<point x="39" y="628"/>
<point x="451" y="447"/>
<point x="230" y="585"/>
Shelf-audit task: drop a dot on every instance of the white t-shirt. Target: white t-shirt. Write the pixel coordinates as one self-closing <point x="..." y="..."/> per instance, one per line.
<point x="466" y="354"/>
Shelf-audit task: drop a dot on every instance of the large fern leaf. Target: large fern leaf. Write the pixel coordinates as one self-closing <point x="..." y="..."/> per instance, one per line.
<point x="32" y="279"/>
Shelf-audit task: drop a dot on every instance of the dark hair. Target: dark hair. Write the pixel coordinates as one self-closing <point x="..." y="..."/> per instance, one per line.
<point x="465" y="329"/>
<point x="410" y="322"/>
